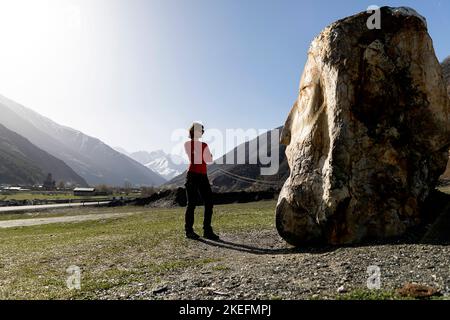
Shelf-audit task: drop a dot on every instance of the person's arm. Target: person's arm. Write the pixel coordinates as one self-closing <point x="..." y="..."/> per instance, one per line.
<point x="207" y="155"/>
<point x="189" y="151"/>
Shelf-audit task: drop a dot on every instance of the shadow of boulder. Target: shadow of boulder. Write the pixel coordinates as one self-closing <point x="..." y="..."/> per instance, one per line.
<point x="436" y="213"/>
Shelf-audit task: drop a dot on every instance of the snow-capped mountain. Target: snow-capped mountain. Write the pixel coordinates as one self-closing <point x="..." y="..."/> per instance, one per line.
<point x="166" y="165"/>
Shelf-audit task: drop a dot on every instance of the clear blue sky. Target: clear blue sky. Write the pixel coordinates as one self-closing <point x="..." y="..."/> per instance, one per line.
<point x="131" y="71"/>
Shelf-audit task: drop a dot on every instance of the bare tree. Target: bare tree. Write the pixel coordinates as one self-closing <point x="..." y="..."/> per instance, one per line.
<point x="148" y="191"/>
<point x="104" y="189"/>
<point x="127" y="186"/>
<point x="61" y="185"/>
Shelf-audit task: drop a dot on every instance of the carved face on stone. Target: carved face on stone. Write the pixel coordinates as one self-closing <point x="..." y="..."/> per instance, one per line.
<point x="368" y="135"/>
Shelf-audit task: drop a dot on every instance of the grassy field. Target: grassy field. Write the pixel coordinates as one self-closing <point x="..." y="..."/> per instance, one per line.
<point x="67" y="212"/>
<point x="111" y="253"/>
<point x="134" y="256"/>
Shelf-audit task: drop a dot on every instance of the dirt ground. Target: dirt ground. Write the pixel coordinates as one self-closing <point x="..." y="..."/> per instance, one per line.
<point x="260" y="265"/>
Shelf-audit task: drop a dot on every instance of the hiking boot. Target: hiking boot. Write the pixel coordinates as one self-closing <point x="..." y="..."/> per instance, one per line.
<point x="192" y="235"/>
<point x="209" y="234"/>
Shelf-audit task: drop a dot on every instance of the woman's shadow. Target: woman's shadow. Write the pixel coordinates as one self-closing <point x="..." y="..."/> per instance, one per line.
<point x="318" y="249"/>
<point x="263" y="251"/>
<point x="434" y="230"/>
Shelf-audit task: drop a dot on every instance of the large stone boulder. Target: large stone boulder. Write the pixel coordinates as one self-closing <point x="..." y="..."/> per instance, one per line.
<point x="446" y="71"/>
<point x="367" y="138"/>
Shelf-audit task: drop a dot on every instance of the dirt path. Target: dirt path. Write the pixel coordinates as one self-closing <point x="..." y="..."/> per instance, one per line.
<point x="78" y="218"/>
<point x="50" y="206"/>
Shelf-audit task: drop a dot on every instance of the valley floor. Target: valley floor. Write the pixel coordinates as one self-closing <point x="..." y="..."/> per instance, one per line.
<point x="144" y="255"/>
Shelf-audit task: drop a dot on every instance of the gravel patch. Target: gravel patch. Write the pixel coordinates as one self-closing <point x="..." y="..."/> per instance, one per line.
<point x="260" y="265"/>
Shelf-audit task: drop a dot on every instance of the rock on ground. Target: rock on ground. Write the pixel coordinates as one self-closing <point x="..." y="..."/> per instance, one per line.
<point x="368" y="136"/>
<point x="446" y="71"/>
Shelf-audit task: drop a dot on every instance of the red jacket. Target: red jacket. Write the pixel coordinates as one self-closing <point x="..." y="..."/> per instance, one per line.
<point x="199" y="155"/>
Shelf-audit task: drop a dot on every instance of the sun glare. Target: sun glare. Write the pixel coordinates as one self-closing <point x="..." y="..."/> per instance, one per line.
<point x="38" y="38"/>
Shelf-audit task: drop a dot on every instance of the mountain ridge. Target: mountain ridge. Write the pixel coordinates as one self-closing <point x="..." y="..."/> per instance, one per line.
<point x="88" y="156"/>
<point x="166" y="165"/>
<point x="21" y="162"/>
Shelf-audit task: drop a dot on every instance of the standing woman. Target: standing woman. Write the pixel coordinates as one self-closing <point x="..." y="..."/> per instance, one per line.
<point x="197" y="182"/>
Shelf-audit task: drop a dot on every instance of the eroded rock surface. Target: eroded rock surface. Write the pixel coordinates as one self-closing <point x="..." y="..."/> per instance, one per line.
<point x="446" y="71"/>
<point x="368" y="136"/>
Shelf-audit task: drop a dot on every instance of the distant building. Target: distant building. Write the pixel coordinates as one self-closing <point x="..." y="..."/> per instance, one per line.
<point x="84" y="192"/>
<point x="14" y="189"/>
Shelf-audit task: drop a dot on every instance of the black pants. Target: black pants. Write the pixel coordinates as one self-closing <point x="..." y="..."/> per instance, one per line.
<point x="198" y="183"/>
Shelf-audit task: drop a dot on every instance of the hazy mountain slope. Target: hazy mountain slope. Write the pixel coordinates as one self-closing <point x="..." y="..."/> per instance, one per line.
<point x="235" y="180"/>
<point x="21" y="162"/>
<point x="89" y="157"/>
<point x="146" y="157"/>
<point x="168" y="166"/>
<point x="122" y="150"/>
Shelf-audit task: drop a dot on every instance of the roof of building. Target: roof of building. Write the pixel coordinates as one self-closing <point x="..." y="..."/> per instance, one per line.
<point x="84" y="189"/>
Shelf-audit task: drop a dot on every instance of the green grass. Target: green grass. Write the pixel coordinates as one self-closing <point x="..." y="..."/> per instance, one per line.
<point x="124" y="255"/>
<point x="113" y="253"/>
<point x="62" y="212"/>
